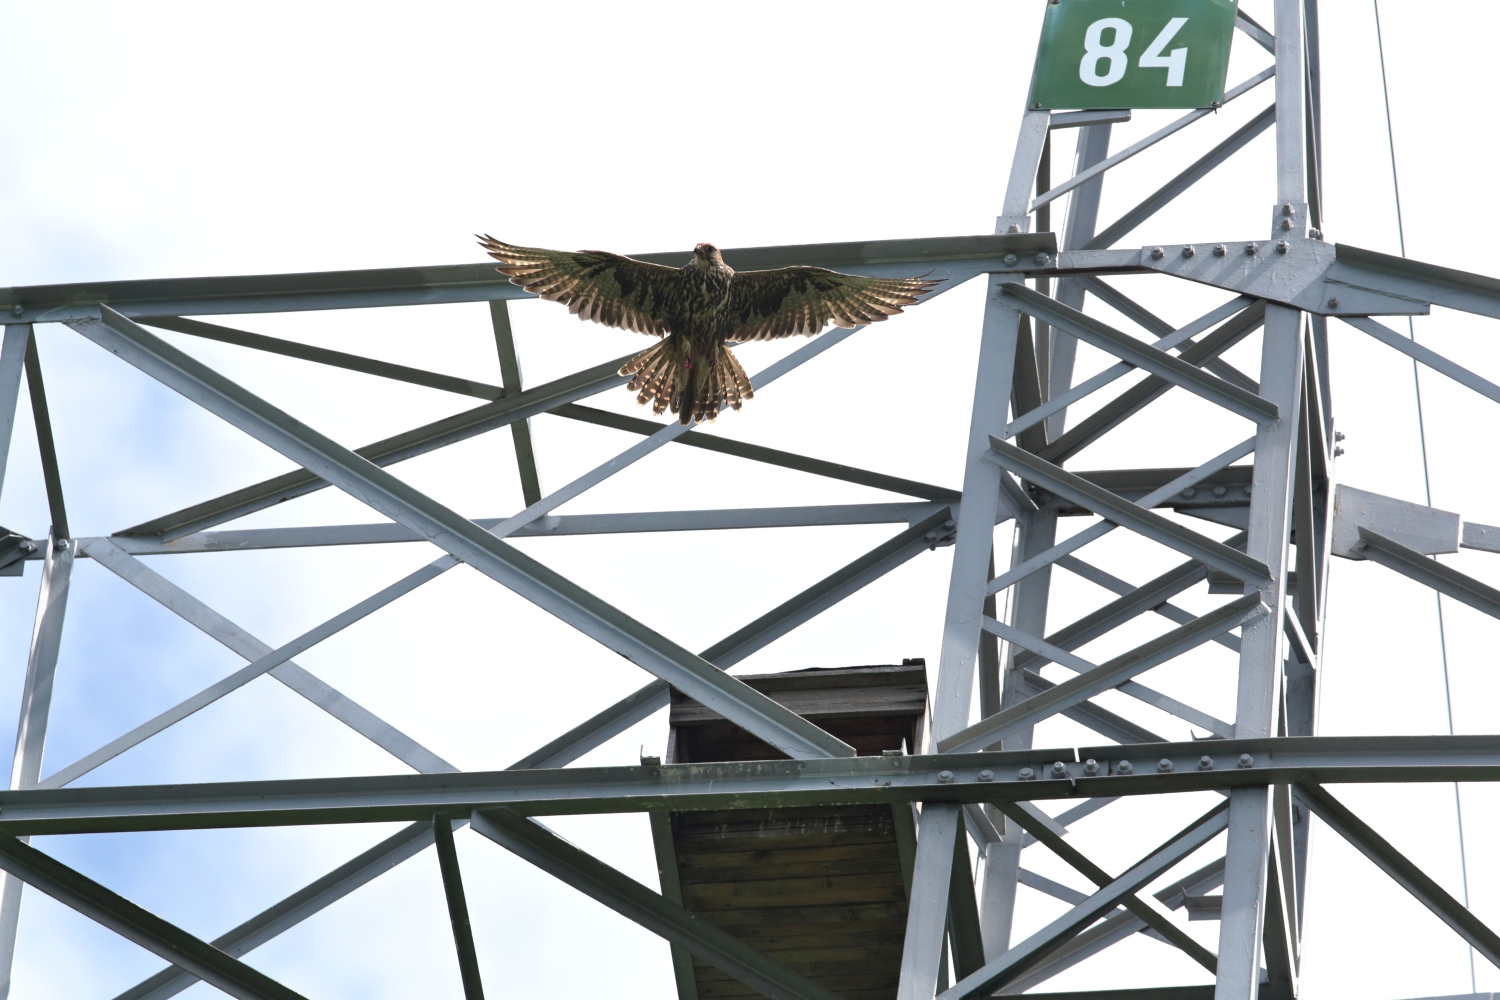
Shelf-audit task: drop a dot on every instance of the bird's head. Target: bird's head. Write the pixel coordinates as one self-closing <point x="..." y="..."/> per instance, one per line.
<point x="707" y="255"/>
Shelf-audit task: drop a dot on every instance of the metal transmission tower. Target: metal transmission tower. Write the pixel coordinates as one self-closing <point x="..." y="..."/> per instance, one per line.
<point x="977" y="777"/>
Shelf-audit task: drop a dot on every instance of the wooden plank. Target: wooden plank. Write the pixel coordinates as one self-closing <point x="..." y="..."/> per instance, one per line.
<point x="671" y="888"/>
<point x="772" y="855"/>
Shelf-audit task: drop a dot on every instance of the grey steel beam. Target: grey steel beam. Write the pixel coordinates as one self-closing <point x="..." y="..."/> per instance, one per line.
<point x="1090" y="716"/>
<point x="923" y="955"/>
<point x="1427" y="356"/>
<point x="1372" y="845"/>
<point x="12" y="362"/>
<point x="461" y="538"/>
<point x="324" y="356"/>
<point x="760" y="453"/>
<point x="294" y="909"/>
<point x="386" y="533"/>
<point x="1180" y="373"/>
<point x="1129" y="402"/>
<point x="1164" y="195"/>
<point x="1080" y="119"/>
<point x="398" y="448"/>
<point x="671" y="890"/>
<point x="1114" y="584"/>
<point x="626" y="896"/>
<point x="1154" y="916"/>
<point x="1251" y="27"/>
<point x="1211" y="553"/>
<point x="946" y="256"/>
<point x="821" y="596"/>
<point x="1098" y="679"/>
<point x="1088" y="772"/>
<point x="1015" y="961"/>
<point x="1147" y="596"/>
<point x="1141" y="146"/>
<point x="51" y="475"/>
<point x="31" y="727"/>
<point x="510" y="379"/>
<point x="1117" y="927"/>
<point x="965" y="937"/>
<point x="268" y="662"/>
<point x="1444" y="579"/>
<point x="458" y="907"/>
<point x="222" y="630"/>
<point x="1138" y="314"/>
<point x="1358" y="269"/>
<point x="139" y="926"/>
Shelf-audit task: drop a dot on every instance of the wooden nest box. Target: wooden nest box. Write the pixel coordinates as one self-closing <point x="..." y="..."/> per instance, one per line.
<point x="822" y="890"/>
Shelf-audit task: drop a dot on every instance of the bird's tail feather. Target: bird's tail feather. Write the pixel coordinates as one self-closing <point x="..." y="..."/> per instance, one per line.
<point x="695" y="389"/>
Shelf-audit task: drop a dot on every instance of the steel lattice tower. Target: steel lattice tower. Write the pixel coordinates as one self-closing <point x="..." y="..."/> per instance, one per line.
<point x="977" y="778"/>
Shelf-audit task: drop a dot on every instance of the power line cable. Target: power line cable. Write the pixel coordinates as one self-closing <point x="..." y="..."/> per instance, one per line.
<point x="1411" y="333"/>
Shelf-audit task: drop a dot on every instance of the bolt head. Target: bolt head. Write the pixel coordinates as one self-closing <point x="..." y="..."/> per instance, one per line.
<point x="1164" y="765"/>
<point x="1246" y="760"/>
<point x="1287" y="209"/>
<point x="986" y="775"/>
<point x="1157" y="253"/>
<point x="1059" y="769"/>
<point x="1286" y="223"/>
<point x="1015" y="227"/>
<point x="1220" y="250"/>
<point x="1338" y="435"/>
<point x="1188" y="251"/>
<point x="1043" y="259"/>
<point x="1010" y="260"/>
<point x="945" y="776"/>
<point x="1189" y="493"/>
<point x="1316" y="234"/>
<point x="1219" y="491"/>
<point x="1026" y="774"/>
<point x="1337" y="451"/>
<point x="17" y="309"/>
<point x="1251" y="249"/>
<point x="1205" y="763"/>
<point x="1091" y="766"/>
<point x="1124" y="767"/>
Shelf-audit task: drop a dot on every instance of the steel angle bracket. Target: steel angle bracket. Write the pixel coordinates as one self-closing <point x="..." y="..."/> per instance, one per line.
<point x="1297" y="271"/>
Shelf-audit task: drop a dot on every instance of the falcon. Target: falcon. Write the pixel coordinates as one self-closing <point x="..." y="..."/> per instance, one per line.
<point x="698" y="310"/>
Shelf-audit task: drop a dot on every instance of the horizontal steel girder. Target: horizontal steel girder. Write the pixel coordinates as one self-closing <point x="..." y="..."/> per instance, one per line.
<point x="976" y="777"/>
<point x="954" y="258"/>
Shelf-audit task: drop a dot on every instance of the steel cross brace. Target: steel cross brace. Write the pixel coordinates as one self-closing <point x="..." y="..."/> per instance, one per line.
<point x="461" y="538"/>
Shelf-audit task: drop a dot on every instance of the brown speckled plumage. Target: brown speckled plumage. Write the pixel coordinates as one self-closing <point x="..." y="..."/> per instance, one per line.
<point x="696" y="310"/>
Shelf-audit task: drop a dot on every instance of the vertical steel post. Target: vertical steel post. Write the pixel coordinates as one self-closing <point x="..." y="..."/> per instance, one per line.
<point x="510" y="381"/>
<point x="12" y="362"/>
<point x="31" y="730"/>
<point x="923" y="957"/>
<point x="1262" y="643"/>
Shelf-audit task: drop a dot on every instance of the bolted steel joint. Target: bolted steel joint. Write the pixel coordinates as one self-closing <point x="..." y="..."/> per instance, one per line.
<point x="1043" y="259"/>
<point x="1157" y="253"/>
<point x="946" y="777"/>
<point x="1059" y="769"/>
<point x="1283" y="247"/>
<point x="1220" y="249"/>
<point x="1251" y="249"/>
<point x="1091" y="766"/>
<point x="986" y="775"/>
<point x="1164" y="765"/>
<point x="1010" y="260"/>
<point x="1205" y="763"/>
<point x="1124" y="767"/>
<point x="1188" y="251"/>
<point x="1026" y="774"/>
<point x="1246" y="760"/>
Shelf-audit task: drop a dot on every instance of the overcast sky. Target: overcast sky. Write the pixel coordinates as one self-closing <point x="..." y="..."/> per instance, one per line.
<point x="158" y="140"/>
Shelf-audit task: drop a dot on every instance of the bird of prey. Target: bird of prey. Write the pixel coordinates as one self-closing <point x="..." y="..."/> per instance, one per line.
<point x="697" y="310"/>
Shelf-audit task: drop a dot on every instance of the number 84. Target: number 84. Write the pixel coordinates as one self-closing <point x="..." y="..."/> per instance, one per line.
<point x="1095" y="52"/>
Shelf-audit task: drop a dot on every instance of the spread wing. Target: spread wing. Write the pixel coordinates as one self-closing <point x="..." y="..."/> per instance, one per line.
<point x="766" y="305"/>
<point x="604" y="287"/>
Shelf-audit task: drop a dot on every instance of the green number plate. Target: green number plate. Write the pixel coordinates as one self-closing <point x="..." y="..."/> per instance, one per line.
<point x="1133" y="54"/>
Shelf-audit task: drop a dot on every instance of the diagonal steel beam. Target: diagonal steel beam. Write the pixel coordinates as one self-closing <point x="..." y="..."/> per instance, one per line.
<point x="1132" y="400"/>
<point x="1143" y="356"/>
<point x="1200" y="169"/>
<point x="324" y="356"/>
<point x="388" y="451"/>
<point x="760" y="453"/>
<point x="1444" y="579"/>
<point x="1095" y="680"/>
<point x="458" y="907"/>
<point x="1014" y="962"/>
<point x="1154" y="916"/>
<point x="461" y="538"/>
<point x="291" y="911"/>
<point x="1126" y="514"/>
<point x="510" y="378"/>
<point x="51" y="475"/>
<point x="1427" y="356"/>
<point x="135" y="924"/>
<point x="1407" y="875"/>
<point x="555" y="856"/>
<point x="12" y="363"/>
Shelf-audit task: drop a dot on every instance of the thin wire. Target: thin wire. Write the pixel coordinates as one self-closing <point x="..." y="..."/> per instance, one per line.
<point x="1411" y="333"/>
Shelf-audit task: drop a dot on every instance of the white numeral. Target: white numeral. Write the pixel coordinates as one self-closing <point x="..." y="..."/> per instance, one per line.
<point x="1175" y="62"/>
<point x="1094" y="50"/>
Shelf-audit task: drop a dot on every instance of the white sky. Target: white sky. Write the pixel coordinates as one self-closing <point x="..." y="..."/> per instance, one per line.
<point x="154" y="140"/>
